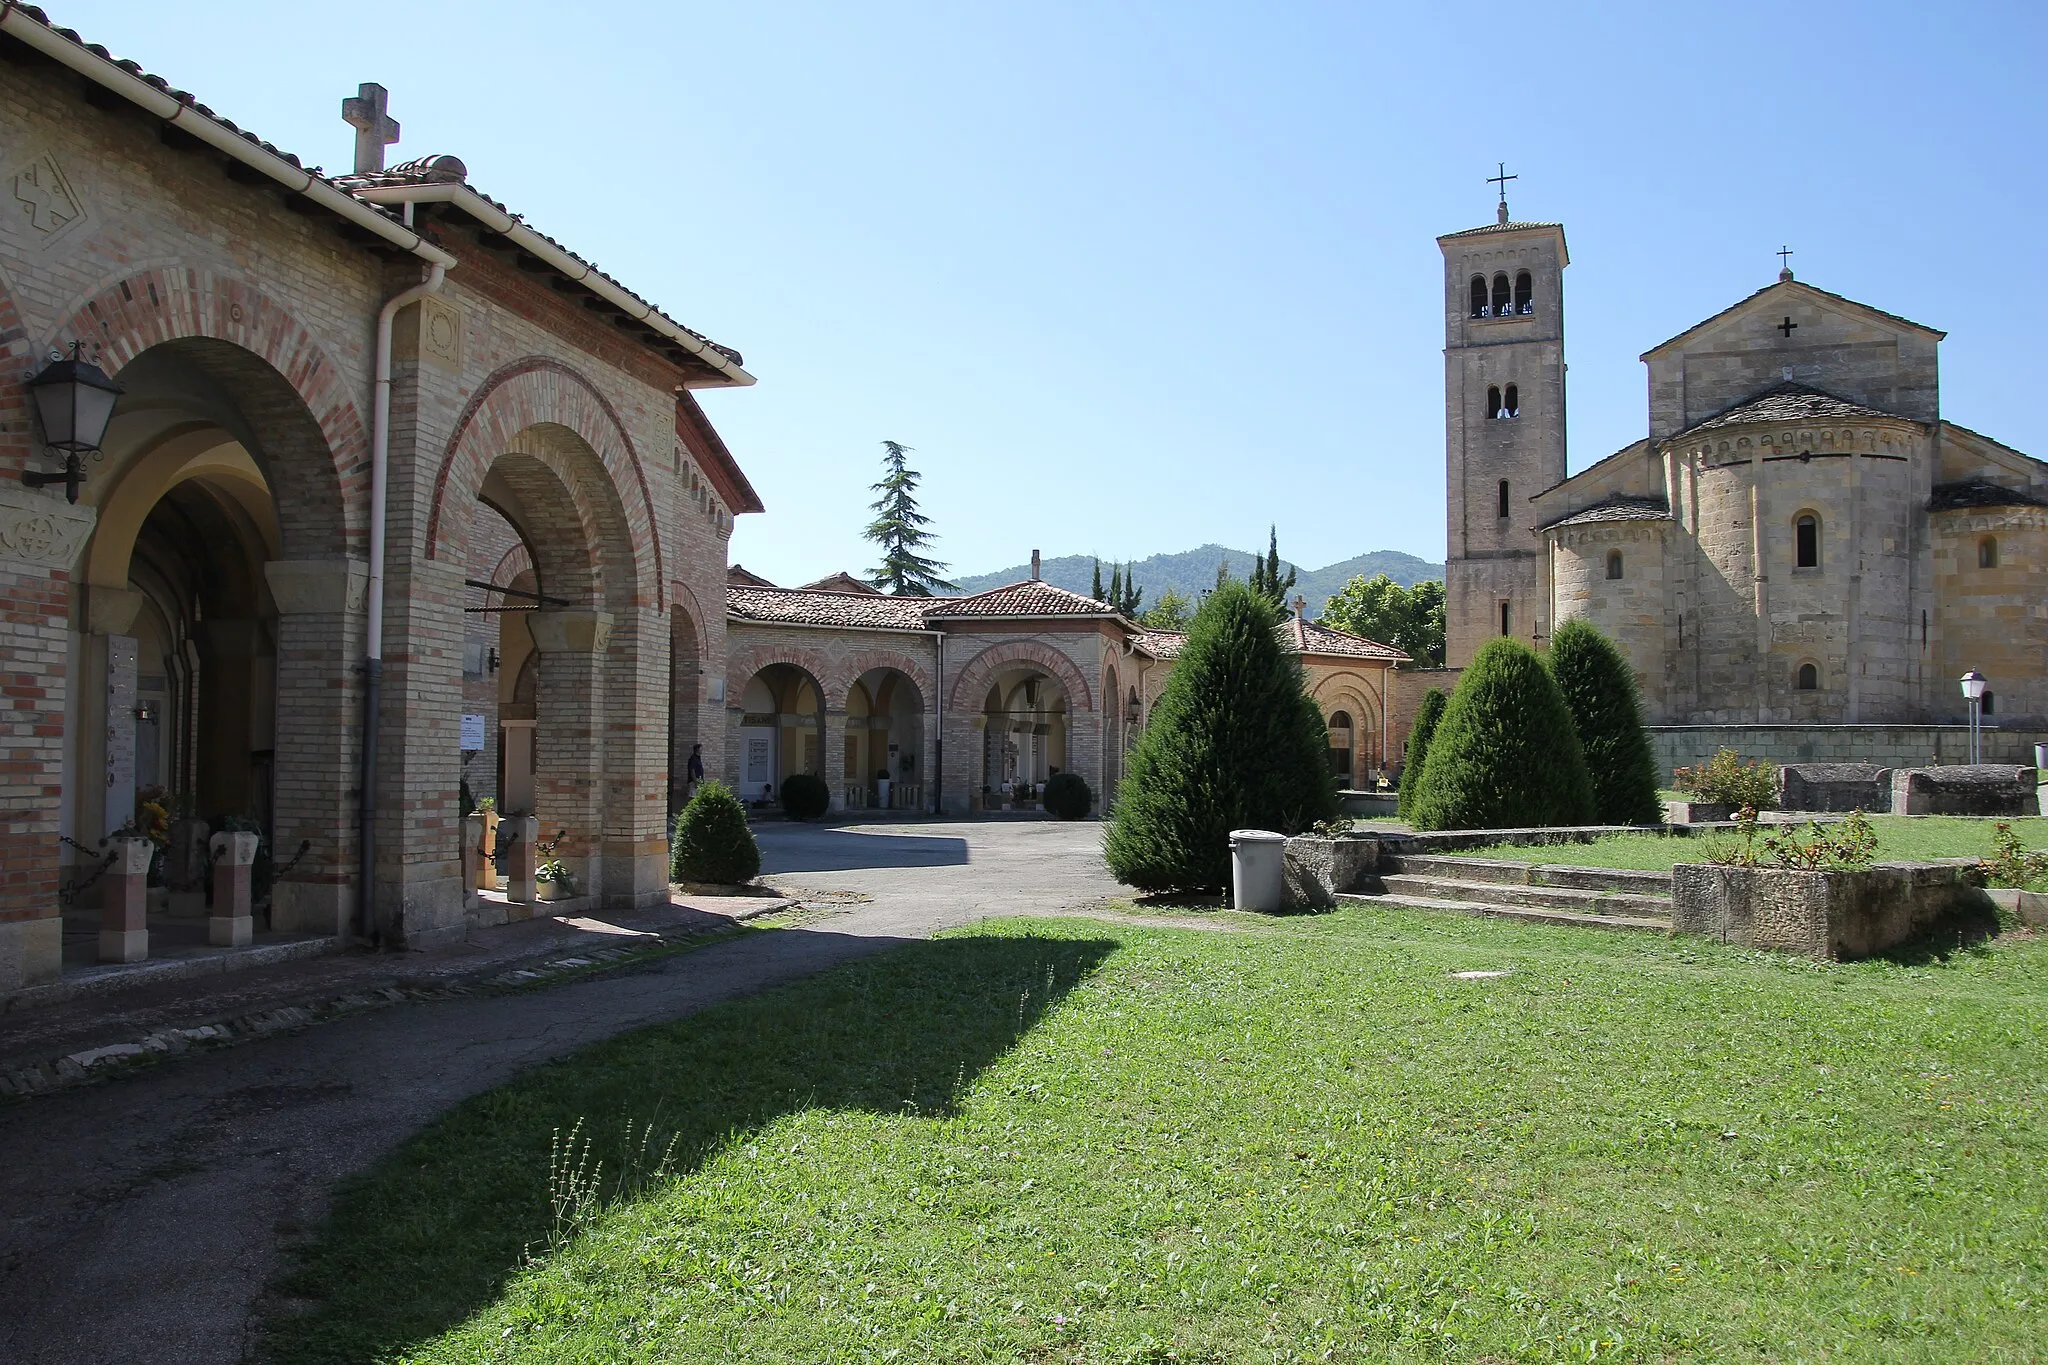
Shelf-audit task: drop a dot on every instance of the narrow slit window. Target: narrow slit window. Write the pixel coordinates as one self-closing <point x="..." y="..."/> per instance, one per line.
<point x="1504" y="620"/>
<point x="1511" y="402"/>
<point x="1502" y="510"/>
<point x="1501" y="299"/>
<point x="1806" y="534"/>
<point x="1987" y="553"/>
<point x="1809" y="678"/>
<point x="1479" y="308"/>
<point x="1525" y="293"/>
<point x="1614" y="564"/>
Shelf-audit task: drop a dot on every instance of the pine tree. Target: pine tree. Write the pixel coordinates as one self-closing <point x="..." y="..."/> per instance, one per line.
<point x="1600" y="689"/>
<point x="1266" y="580"/>
<point x="1116" y="584"/>
<point x="1505" y="755"/>
<point x="898" y="528"/>
<point x="1427" y="717"/>
<point x="1095" y="591"/>
<point x="1234" y="743"/>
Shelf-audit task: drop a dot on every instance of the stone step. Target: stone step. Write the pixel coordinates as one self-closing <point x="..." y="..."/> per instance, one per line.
<point x="1533" y="874"/>
<point x="1526" y="914"/>
<point x="1515" y="897"/>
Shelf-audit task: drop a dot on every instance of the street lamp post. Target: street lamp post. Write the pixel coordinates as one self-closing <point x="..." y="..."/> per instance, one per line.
<point x="1973" y="693"/>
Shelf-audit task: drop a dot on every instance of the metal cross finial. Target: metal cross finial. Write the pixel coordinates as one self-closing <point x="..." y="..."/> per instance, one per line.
<point x="1784" y="269"/>
<point x="375" y="130"/>
<point x="1502" y="181"/>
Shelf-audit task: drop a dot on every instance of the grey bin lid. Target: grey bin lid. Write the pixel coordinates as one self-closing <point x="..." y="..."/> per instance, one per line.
<point x="1256" y="836"/>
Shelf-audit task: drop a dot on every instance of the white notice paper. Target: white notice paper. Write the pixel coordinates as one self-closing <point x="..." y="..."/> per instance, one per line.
<point x="473" y="734"/>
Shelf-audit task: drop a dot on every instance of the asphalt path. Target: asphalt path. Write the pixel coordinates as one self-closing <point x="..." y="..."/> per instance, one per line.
<point x="140" y="1220"/>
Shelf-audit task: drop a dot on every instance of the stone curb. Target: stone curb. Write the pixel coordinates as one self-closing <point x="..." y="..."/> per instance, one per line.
<point x="171" y="969"/>
<point x="111" y="1059"/>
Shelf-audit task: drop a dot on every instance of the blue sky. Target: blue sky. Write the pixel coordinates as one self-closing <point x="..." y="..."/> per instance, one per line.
<point x="1135" y="277"/>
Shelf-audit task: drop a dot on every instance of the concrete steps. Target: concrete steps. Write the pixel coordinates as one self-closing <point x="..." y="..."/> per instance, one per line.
<point x="1594" y="897"/>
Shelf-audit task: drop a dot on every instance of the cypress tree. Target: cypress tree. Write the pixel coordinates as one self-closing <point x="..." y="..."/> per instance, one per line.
<point x="1505" y="755"/>
<point x="712" y="842"/>
<point x="1427" y="717"/>
<point x="1095" y="591"/>
<point x="1600" y="689"/>
<point x="1235" y="743"/>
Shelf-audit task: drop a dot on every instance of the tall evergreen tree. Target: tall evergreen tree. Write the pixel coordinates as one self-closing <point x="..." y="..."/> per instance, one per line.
<point x="1095" y="591"/>
<point x="1505" y="755"/>
<point x="1607" y="711"/>
<point x="1266" y="579"/>
<point x="1116" y="584"/>
<point x="899" y="528"/>
<point x="1235" y="742"/>
<point x="1124" y="593"/>
<point x="1427" y="717"/>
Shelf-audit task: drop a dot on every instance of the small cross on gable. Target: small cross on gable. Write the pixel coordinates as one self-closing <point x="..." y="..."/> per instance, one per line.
<point x="1787" y="327"/>
<point x="375" y="129"/>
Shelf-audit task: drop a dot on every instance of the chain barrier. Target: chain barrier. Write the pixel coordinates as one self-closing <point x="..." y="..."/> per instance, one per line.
<point x="67" y="892"/>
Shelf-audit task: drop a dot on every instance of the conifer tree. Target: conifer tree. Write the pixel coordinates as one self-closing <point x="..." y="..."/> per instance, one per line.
<point x="1095" y="590"/>
<point x="1124" y="593"/>
<point x="1600" y="689"/>
<point x="1266" y="579"/>
<point x="1427" y="717"/>
<point x="1116" y="584"/>
<point x="1505" y="755"/>
<point x="1234" y="743"/>
<point x="899" y="528"/>
<point x="712" y="842"/>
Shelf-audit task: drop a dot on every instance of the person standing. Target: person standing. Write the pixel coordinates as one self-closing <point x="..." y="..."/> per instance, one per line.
<point x="695" y="773"/>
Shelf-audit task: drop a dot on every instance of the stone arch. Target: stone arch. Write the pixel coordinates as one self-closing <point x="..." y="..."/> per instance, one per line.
<point x="861" y="661"/>
<point x="280" y="375"/>
<point x="540" y="393"/>
<point x="679" y="595"/>
<point x="516" y="561"/>
<point x="979" y="671"/>
<point x="742" y="665"/>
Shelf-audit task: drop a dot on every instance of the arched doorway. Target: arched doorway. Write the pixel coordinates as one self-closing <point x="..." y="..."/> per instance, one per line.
<point x="884" y="743"/>
<point x="781" y="729"/>
<point x="1024" y="735"/>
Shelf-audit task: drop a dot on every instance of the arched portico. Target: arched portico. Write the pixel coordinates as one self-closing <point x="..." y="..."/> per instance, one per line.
<point x="1352" y="705"/>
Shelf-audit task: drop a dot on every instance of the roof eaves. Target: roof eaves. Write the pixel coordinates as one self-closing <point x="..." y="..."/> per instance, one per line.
<point x="709" y="450"/>
<point x="1742" y="303"/>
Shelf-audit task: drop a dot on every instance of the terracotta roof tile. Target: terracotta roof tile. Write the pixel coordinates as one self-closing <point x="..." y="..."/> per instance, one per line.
<point x="1298" y="636"/>
<point x="799" y="606"/>
<point x="1032" y="597"/>
<point x="1496" y="227"/>
<point x="842" y="582"/>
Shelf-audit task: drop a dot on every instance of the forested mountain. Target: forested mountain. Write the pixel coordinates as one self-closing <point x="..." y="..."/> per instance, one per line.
<point x="1193" y="572"/>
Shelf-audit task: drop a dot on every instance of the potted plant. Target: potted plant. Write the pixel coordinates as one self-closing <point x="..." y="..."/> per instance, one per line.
<point x="551" y="880"/>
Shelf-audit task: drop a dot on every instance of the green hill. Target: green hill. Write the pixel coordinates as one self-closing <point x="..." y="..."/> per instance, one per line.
<point x="1193" y="572"/>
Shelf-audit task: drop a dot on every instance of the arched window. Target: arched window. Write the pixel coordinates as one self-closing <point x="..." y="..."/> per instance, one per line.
<point x="1614" y="563"/>
<point x="1525" y="293"/>
<point x="1809" y="678"/>
<point x="1501" y="300"/>
<point x="1512" y="402"/>
<point x="1493" y="400"/>
<point x="1502" y="510"/>
<point x="1806" y="537"/>
<point x="1987" y="553"/>
<point x="1340" y="744"/>
<point x="1479" y="308"/>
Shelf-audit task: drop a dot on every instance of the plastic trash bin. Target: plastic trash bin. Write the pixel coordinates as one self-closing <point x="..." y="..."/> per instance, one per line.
<point x="2041" y="761"/>
<point x="1258" y="877"/>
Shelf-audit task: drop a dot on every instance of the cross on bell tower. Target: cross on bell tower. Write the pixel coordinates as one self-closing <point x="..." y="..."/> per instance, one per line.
<point x="1502" y="181"/>
<point x="375" y="129"/>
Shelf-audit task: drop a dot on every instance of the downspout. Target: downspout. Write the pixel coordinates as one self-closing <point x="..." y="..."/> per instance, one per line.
<point x="373" y="645"/>
<point x="939" y="727"/>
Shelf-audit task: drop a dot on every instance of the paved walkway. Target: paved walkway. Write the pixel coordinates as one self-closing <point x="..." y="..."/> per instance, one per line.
<point x="139" y="1220"/>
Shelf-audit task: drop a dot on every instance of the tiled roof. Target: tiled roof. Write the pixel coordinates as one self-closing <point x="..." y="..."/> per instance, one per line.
<point x="1621" y="507"/>
<point x="1981" y="493"/>
<point x="1496" y="227"/>
<point x="798" y="606"/>
<point x="1032" y="597"/>
<point x="1162" y="644"/>
<point x="1302" y="637"/>
<point x="739" y="577"/>
<point x="841" y="582"/>
<point x="1788" y="403"/>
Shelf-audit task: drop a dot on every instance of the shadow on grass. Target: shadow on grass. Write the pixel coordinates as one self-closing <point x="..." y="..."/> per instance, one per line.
<point x="1956" y="933"/>
<point x="431" y="1234"/>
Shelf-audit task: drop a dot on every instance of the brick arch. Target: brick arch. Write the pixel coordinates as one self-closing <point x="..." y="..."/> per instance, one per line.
<point x="679" y="595"/>
<point x="741" y="666"/>
<point x="536" y="392"/>
<point x="975" y="676"/>
<point x="517" y="560"/>
<point x="177" y="303"/>
<point x="860" y="661"/>
<point x="1329" y="688"/>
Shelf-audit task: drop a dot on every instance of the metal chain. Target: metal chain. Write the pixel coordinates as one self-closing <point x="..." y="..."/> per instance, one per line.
<point x="67" y="893"/>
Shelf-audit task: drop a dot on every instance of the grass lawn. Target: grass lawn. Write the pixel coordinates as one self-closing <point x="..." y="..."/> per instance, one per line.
<point x="1899" y="838"/>
<point x="1098" y="1141"/>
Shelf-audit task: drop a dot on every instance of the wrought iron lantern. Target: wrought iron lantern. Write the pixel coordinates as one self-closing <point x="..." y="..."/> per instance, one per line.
<point x="75" y="400"/>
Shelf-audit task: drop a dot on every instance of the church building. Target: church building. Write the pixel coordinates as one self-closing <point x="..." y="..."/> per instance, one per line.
<point x="1800" y="558"/>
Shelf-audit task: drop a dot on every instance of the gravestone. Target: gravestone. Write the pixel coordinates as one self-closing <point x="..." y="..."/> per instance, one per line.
<point x="1965" y="789"/>
<point x="1840" y="787"/>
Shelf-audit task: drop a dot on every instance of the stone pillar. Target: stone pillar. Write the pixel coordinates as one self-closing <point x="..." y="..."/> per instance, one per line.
<point x="419" y="892"/>
<point x="967" y="778"/>
<point x="636" y="763"/>
<point x="231" y="925"/>
<point x="473" y="865"/>
<point x="569" y="757"/>
<point x="124" y="902"/>
<point x="517" y="835"/>
<point x="40" y="537"/>
<point x="320" y="606"/>
<point x="832" y="754"/>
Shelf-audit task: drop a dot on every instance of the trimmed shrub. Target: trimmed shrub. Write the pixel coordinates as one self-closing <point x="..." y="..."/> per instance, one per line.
<point x="712" y="842"/>
<point x="1427" y="717"/>
<point x="1725" y="780"/>
<point x="1505" y="755"/>
<point x="1234" y="743"/>
<point x="1067" y="796"/>
<point x="805" y="796"/>
<point x="1600" y="690"/>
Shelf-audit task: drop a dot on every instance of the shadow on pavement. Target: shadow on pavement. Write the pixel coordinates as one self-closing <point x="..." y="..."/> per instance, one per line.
<point x="430" y="1235"/>
<point x="842" y="850"/>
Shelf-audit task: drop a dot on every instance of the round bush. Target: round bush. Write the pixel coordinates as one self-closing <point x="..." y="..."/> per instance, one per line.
<point x="1427" y="717"/>
<point x="805" y="796"/>
<point x="712" y="842"/>
<point x="1067" y="796"/>
<point x="1505" y="755"/>
<point x="1600" y="690"/>
<point x="1234" y="743"/>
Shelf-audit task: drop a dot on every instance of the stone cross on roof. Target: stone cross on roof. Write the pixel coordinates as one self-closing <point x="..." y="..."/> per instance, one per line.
<point x="1300" y="606"/>
<point x="375" y="130"/>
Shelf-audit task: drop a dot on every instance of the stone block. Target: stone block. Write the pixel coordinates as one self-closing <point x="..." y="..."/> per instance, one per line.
<point x="518" y="834"/>
<point x="1697" y="812"/>
<point x="1965" y="789"/>
<point x="124" y="902"/>
<point x="231" y="925"/>
<point x="1828" y="915"/>
<point x="1319" y="869"/>
<point x="1839" y="787"/>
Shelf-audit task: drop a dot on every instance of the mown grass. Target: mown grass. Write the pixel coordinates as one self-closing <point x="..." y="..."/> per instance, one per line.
<point x="1097" y="1141"/>
<point x="1900" y="838"/>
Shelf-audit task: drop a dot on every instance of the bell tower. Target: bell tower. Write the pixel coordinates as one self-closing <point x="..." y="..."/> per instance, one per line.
<point x="1504" y="380"/>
